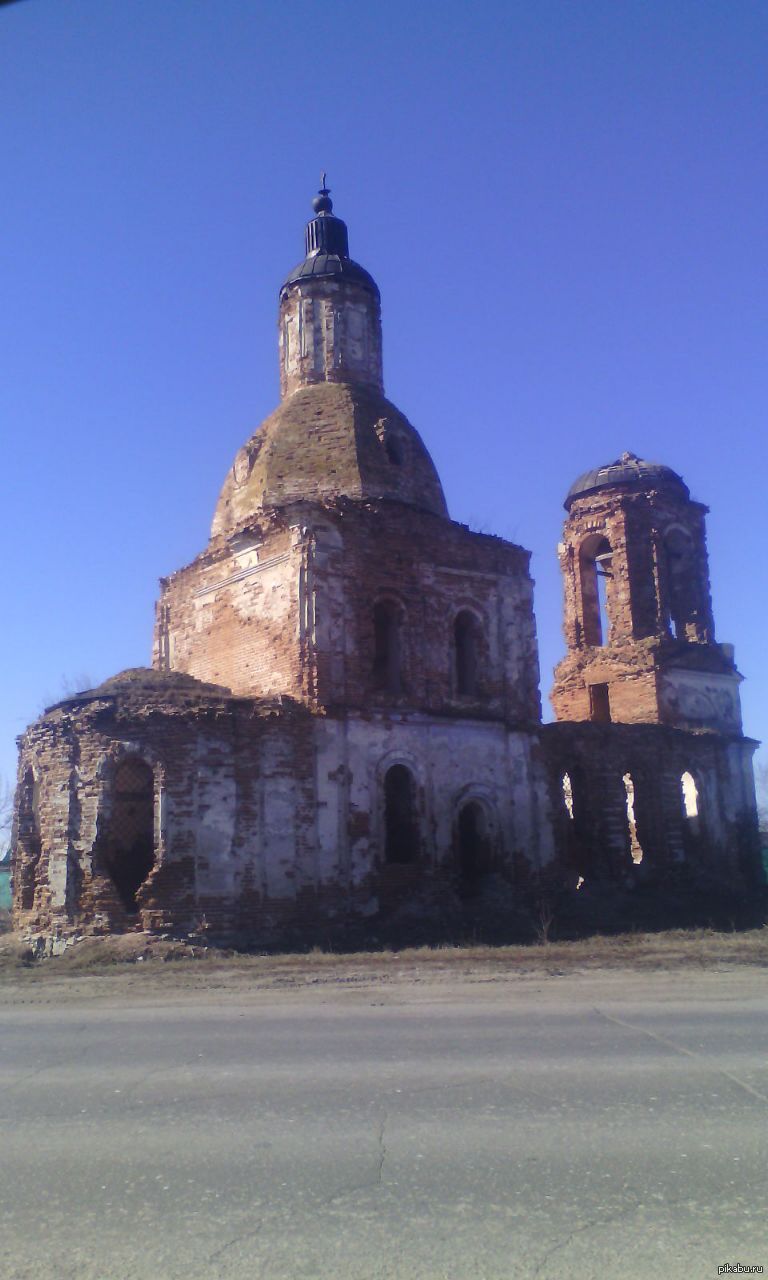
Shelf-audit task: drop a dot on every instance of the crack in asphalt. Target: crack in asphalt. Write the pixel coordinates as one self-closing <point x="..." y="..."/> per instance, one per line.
<point x="382" y="1149"/>
<point x="578" y="1231"/>
<point x="688" y="1053"/>
<point x="377" y="1179"/>
<point x="24" y="1077"/>
<point x="131" y="1089"/>
<point x="241" y="1236"/>
<point x="457" y="1084"/>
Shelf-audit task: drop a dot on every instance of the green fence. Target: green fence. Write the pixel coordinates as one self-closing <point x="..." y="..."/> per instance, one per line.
<point x="5" y="888"/>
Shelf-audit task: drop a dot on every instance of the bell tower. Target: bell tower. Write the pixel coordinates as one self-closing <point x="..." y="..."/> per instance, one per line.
<point x="638" y="615"/>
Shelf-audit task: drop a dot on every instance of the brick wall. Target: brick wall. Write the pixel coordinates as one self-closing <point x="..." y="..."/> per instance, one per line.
<point x="659" y="660"/>
<point x="268" y="820"/>
<point x="289" y="609"/>
<point x="720" y="845"/>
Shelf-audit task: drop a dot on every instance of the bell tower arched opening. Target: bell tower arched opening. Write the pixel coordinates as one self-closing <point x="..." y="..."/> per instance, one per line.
<point x="596" y="573"/>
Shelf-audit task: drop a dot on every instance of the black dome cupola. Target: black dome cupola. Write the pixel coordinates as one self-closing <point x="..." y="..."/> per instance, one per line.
<point x="325" y="232"/>
<point x="326" y="248"/>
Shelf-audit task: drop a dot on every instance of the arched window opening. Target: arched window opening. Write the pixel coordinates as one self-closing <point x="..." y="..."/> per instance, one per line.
<point x="400" y="819"/>
<point x="394" y="450"/>
<point x="130" y="844"/>
<point x="635" y="847"/>
<point x="29" y="842"/>
<point x="691" y="813"/>
<point x="690" y="795"/>
<point x="567" y="787"/>
<point x="596" y="570"/>
<point x="677" y="550"/>
<point x="465" y="637"/>
<point x="474" y="846"/>
<point x="387" y="673"/>
<point x="691" y="810"/>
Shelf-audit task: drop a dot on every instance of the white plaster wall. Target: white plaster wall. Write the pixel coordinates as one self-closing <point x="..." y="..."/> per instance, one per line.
<point x="279" y="844"/>
<point x="329" y="329"/>
<point x="452" y="762"/>
<point x="700" y="699"/>
<point x="333" y="792"/>
<point x="216" y="803"/>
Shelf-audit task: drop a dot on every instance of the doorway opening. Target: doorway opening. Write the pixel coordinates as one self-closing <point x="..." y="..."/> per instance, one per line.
<point x="474" y="847"/>
<point x="130" y="846"/>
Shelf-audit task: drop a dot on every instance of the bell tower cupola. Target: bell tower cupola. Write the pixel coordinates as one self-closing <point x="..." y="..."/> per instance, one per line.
<point x="330" y="311"/>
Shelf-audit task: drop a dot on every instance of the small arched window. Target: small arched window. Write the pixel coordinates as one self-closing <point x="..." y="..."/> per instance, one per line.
<point x="690" y="794"/>
<point x="691" y="809"/>
<point x="400" y="818"/>
<point x="596" y="573"/>
<point x="394" y="450"/>
<point x="465" y="646"/>
<point x="387" y="663"/>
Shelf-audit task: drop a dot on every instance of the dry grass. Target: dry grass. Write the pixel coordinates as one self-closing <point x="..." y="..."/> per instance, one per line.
<point x="173" y="963"/>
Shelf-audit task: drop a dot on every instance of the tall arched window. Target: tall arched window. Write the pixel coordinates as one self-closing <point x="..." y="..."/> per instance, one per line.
<point x="635" y="847"/>
<point x="130" y="843"/>
<point x="465" y="645"/>
<point x="582" y="850"/>
<point x="387" y="673"/>
<point x="690" y="794"/>
<point x="567" y="788"/>
<point x="596" y="573"/>
<point x="400" y="818"/>
<point x="474" y="845"/>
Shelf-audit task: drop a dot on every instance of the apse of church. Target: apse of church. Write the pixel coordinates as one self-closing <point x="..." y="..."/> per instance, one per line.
<point x="341" y="728"/>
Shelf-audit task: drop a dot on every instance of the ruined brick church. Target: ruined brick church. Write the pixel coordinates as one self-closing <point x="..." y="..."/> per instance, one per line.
<point x="342" y="724"/>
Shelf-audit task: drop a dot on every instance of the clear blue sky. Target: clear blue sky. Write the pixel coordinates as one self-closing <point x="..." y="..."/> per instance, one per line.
<point x="564" y="205"/>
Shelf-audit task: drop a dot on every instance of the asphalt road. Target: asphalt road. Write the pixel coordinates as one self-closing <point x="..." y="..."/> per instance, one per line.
<point x="564" y="1127"/>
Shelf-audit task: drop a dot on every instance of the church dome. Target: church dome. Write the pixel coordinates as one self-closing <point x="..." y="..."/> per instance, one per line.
<point x="327" y="441"/>
<point x="628" y="471"/>
<point x="330" y="265"/>
<point x="326" y="246"/>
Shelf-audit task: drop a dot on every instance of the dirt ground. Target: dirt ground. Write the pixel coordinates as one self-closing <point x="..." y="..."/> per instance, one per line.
<point x="137" y="963"/>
